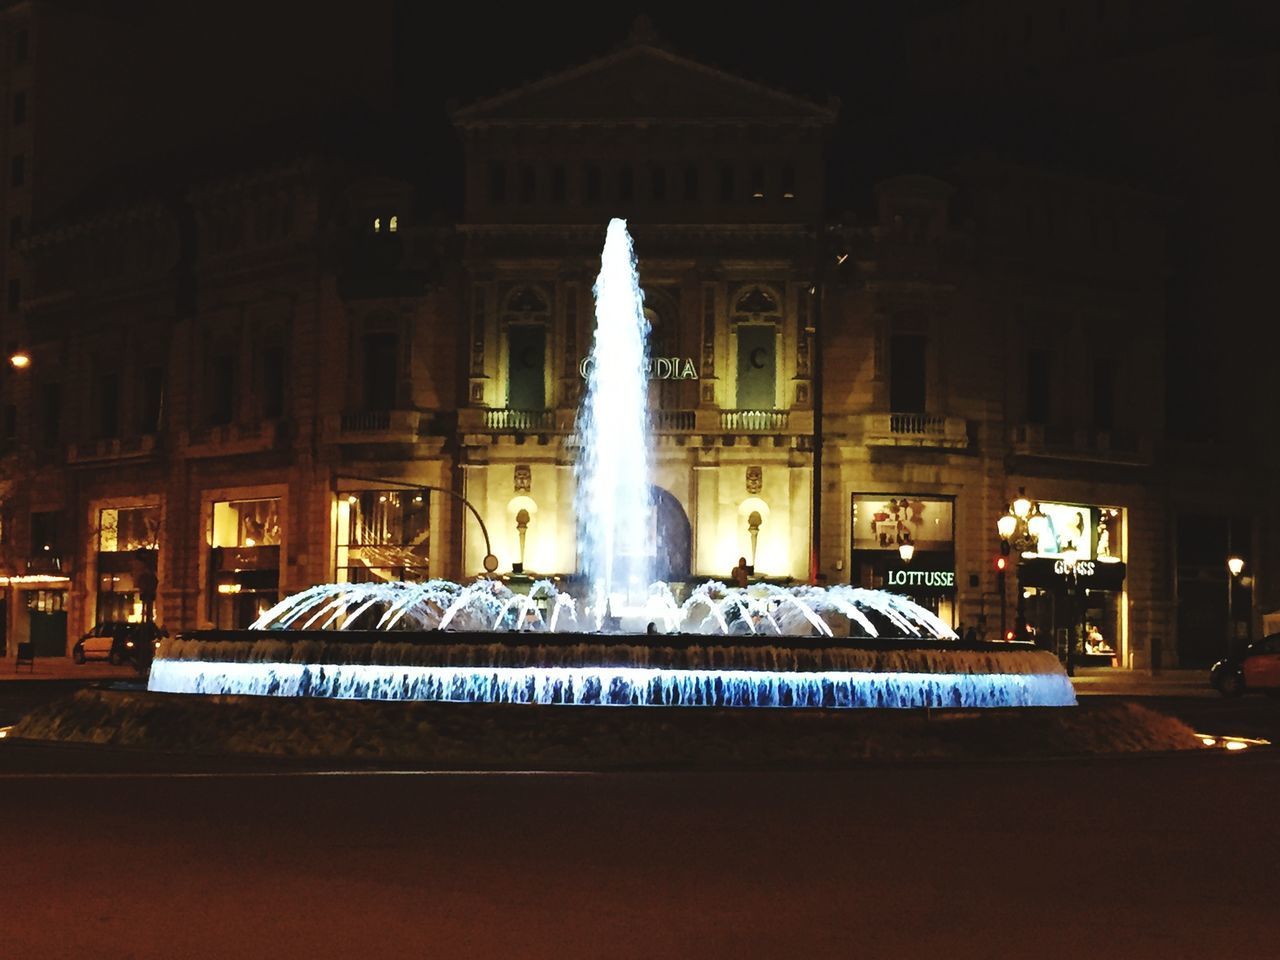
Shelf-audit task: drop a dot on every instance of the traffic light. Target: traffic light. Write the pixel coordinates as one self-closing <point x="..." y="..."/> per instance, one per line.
<point x="1004" y="548"/>
<point x="1002" y="564"/>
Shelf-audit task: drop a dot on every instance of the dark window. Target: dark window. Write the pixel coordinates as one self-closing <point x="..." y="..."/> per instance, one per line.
<point x="15" y="230"/>
<point x="50" y="414"/>
<point x="18" y="170"/>
<point x="19" y="107"/>
<point x="788" y="182"/>
<point x="658" y="184"/>
<point x="691" y="183"/>
<point x="498" y="183"/>
<point x="222" y="389"/>
<point x="46" y="533"/>
<point x="726" y="183"/>
<point x="526" y="366"/>
<point x="626" y="184"/>
<point x="380" y="370"/>
<point x="593" y="183"/>
<point x="152" y="399"/>
<point x="15" y="293"/>
<point x="757" y="366"/>
<point x="557" y="184"/>
<point x="528" y="183"/>
<point x="757" y="183"/>
<point x="108" y="405"/>
<point x="20" y="48"/>
<point x="1104" y="394"/>
<point x="907" y="377"/>
<point x="1039" y="386"/>
<point x="273" y="373"/>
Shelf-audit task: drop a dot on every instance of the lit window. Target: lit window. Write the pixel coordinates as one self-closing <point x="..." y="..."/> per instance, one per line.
<point x="393" y="224"/>
<point x="377" y="224"/>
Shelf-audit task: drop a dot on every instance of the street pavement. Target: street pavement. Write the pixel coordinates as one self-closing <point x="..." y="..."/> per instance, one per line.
<point x="1156" y="857"/>
<point x="114" y="853"/>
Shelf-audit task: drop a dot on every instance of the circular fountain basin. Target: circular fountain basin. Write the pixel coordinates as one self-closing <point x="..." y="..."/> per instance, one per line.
<point x="611" y="670"/>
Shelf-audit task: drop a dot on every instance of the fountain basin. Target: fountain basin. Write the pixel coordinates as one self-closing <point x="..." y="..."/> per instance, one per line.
<point x="612" y="670"/>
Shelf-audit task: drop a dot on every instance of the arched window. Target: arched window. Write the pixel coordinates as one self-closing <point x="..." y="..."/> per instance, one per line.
<point x="757" y="318"/>
<point x="525" y="315"/>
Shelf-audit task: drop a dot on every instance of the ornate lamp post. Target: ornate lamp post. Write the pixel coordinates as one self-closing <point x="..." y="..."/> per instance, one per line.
<point x="1020" y="529"/>
<point x="1235" y="566"/>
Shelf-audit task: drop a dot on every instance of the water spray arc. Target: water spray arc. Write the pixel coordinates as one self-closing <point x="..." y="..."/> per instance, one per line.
<point x="614" y="462"/>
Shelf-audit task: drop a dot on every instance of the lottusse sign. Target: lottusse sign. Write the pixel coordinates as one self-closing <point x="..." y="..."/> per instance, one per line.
<point x="943" y="579"/>
<point x="657" y="368"/>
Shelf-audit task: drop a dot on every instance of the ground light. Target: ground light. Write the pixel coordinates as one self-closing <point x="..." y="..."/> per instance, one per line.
<point x="1234" y="744"/>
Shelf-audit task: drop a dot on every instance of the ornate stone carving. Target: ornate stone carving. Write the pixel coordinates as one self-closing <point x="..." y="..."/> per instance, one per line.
<point x="523" y="478"/>
<point x="755" y="480"/>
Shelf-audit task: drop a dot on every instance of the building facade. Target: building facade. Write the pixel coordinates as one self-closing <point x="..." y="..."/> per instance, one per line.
<point x="291" y="373"/>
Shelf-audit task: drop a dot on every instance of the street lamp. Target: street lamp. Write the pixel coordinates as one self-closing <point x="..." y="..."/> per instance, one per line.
<point x="906" y="551"/>
<point x="1020" y="528"/>
<point x="1235" y="566"/>
<point x="19" y="359"/>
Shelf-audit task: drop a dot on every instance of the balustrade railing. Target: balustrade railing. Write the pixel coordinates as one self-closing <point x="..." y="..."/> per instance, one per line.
<point x="753" y="421"/>
<point x="917" y="423"/>
<point x="523" y="421"/>
<point x="362" y="421"/>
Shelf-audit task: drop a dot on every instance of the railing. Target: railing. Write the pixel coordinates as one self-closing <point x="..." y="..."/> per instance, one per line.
<point x="1058" y="440"/>
<point x="917" y="423"/>
<point x="914" y="430"/>
<point x="673" y="421"/>
<point x="521" y="421"/>
<point x="364" y="421"/>
<point x="112" y="448"/>
<point x="232" y="438"/>
<point x="753" y="421"/>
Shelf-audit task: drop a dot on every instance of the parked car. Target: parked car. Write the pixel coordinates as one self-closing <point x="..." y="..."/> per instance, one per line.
<point x="1256" y="668"/>
<point x="119" y="643"/>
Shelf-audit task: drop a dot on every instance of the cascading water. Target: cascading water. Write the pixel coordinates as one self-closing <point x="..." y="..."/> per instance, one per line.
<point x="613" y="495"/>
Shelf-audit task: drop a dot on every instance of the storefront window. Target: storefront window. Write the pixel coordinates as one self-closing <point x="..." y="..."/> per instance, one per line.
<point x="128" y="549"/>
<point x="382" y="535"/>
<point x="246" y="523"/>
<point x="882" y="524"/>
<point x="1080" y="606"/>
<point x="246" y="560"/>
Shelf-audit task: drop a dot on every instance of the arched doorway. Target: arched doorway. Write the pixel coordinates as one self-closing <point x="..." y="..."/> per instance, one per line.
<point x="673" y="537"/>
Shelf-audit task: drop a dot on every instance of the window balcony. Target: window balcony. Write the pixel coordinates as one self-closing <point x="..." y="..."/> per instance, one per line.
<point x="1072" y="443"/>
<point x="914" y="430"/>
<point x="755" y="421"/>
<point x="100" y="451"/>
<point x="230" y="439"/>
<point x="378" y="426"/>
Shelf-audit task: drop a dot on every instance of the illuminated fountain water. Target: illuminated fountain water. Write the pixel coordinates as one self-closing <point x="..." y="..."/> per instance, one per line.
<point x="762" y="645"/>
<point x="613" y="438"/>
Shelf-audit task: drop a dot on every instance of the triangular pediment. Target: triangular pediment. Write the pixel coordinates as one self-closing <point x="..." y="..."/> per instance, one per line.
<point x="642" y="83"/>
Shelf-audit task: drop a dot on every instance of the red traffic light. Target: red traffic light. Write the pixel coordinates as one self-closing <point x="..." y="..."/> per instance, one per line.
<point x="1001" y="564"/>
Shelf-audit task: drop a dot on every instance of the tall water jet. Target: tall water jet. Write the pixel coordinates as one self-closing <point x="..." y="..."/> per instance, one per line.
<point x="614" y="513"/>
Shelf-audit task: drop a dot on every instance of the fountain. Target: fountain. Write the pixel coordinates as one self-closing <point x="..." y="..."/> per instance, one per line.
<point x="762" y="645"/>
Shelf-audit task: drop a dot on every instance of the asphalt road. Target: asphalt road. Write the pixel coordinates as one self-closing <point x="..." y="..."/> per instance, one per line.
<point x="1167" y="857"/>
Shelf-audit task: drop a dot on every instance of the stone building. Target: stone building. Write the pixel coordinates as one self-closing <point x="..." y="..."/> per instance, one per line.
<point x="290" y="372"/>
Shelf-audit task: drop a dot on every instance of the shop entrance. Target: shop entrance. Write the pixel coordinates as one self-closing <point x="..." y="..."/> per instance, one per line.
<point x="47" y="610"/>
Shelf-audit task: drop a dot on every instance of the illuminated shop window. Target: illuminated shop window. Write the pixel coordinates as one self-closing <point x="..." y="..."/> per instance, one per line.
<point x="245" y="560"/>
<point x="382" y="535"/>
<point x="128" y="550"/>
<point x="246" y="523"/>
